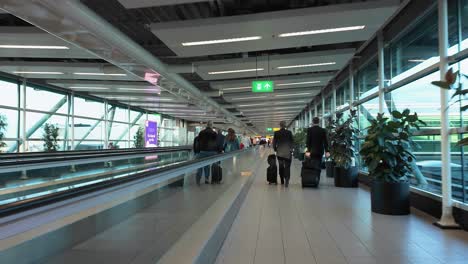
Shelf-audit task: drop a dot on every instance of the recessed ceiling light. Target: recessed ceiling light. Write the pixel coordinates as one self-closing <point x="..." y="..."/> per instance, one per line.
<point x="417" y="60"/>
<point x="247" y="98"/>
<point x="99" y="74"/>
<point x="320" y="31"/>
<point x="122" y="98"/>
<point x="296" y="94"/>
<point x="138" y="89"/>
<point x="31" y="47"/>
<point x="219" y="41"/>
<point x="252" y="105"/>
<point x="236" y="71"/>
<point x="236" y="88"/>
<point x="33" y="72"/>
<point x="297" y="83"/>
<point x="86" y="87"/>
<point x="306" y="65"/>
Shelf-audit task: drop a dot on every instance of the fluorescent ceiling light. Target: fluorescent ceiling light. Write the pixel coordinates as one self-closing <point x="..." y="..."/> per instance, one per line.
<point x="31" y="47"/>
<point x="122" y="98"/>
<point x="86" y="87"/>
<point x="296" y="94"/>
<point x="33" y="72"/>
<point x="417" y="60"/>
<point x="296" y="83"/>
<point x="320" y="31"/>
<point x="99" y="74"/>
<point x="247" y="98"/>
<point x="252" y="104"/>
<point x="236" y="71"/>
<point x="219" y="41"/>
<point x="276" y="103"/>
<point x="306" y="65"/>
<point x="236" y="88"/>
<point x="138" y="89"/>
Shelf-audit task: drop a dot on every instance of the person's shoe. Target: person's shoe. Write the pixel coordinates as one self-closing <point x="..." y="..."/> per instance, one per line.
<point x="207" y="182"/>
<point x="287" y="183"/>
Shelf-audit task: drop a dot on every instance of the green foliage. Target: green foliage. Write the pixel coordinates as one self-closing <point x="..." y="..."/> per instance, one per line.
<point x="50" y="136"/>
<point x="387" y="147"/>
<point x="3" y="126"/>
<point x="458" y="97"/>
<point x="299" y="139"/>
<point x="342" y="141"/>
<point x="139" y="138"/>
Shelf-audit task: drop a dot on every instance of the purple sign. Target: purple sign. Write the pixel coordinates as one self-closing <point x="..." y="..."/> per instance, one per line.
<point x="151" y="134"/>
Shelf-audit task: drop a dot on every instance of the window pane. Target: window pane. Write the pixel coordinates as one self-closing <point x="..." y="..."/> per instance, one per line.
<point x="367" y="80"/>
<point x="464" y="23"/>
<point x="121" y="114"/>
<point x="12" y="122"/>
<point x="9" y="94"/>
<point x="84" y="129"/>
<point x="49" y="101"/>
<point x="88" y="108"/>
<point x="32" y="121"/>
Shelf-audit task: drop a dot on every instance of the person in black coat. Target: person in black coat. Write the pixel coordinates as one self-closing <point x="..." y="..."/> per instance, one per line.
<point x="207" y="141"/>
<point x="317" y="142"/>
<point x="283" y="145"/>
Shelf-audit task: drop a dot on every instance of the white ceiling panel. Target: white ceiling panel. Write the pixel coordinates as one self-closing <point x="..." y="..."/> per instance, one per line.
<point x="129" y="4"/>
<point x="37" y="37"/>
<point x="275" y="65"/>
<point x="268" y="26"/>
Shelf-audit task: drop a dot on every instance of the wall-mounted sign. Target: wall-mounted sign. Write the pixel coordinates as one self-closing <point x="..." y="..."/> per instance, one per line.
<point x="151" y="134"/>
<point x="269" y="129"/>
<point x="262" y="86"/>
<point x="276" y="129"/>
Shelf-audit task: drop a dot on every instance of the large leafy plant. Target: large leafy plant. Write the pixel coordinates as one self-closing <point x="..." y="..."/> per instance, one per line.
<point x="3" y="125"/>
<point x="459" y="96"/>
<point x="342" y="147"/>
<point x="50" y="137"/>
<point x="139" y="138"/>
<point x="387" y="147"/>
<point x="299" y="139"/>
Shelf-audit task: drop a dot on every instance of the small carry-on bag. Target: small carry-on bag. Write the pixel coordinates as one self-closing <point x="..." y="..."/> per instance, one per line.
<point x="216" y="173"/>
<point x="272" y="170"/>
<point x="310" y="172"/>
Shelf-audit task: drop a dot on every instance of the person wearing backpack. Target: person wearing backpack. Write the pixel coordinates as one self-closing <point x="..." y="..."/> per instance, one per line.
<point x="231" y="142"/>
<point x="208" y="146"/>
<point x="283" y="145"/>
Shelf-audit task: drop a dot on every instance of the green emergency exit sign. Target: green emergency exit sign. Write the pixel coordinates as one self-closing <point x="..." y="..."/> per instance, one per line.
<point x="269" y="129"/>
<point x="262" y="86"/>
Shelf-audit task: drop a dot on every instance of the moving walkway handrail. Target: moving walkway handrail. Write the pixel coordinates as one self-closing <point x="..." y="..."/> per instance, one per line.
<point x="31" y="203"/>
<point x="31" y="155"/>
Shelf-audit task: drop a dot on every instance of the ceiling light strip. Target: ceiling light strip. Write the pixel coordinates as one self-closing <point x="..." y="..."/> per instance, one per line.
<point x="99" y="74"/>
<point x="33" y="72"/>
<point x="296" y="83"/>
<point x="320" y="31"/>
<point x="220" y="41"/>
<point x="32" y="47"/>
<point x="306" y="65"/>
<point x="235" y="71"/>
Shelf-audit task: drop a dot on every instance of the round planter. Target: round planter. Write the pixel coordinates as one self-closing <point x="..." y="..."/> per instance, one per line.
<point x="346" y="178"/>
<point x="329" y="168"/>
<point x="390" y="198"/>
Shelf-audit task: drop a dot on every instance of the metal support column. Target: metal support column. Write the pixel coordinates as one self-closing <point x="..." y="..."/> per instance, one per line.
<point x="446" y="220"/>
<point x="24" y="136"/>
<point x="333" y="105"/>
<point x="351" y="86"/>
<point x="381" y="72"/>
<point x="315" y="110"/>
<point x="130" y="127"/>
<point x="323" y="111"/>
<point x="72" y="130"/>
<point x="106" y="126"/>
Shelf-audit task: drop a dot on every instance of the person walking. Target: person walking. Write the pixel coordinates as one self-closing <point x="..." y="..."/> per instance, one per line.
<point x="317" y="142"/>
<point x="232" y="142"/>
<point x="246" y="141"/>
<point x="208" y="146"/>
<point x="283" y="145"/>
<point x="220" y="139"/>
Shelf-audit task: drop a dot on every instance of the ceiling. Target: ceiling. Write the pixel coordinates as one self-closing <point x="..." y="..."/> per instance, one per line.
<point x="300" y="64"/>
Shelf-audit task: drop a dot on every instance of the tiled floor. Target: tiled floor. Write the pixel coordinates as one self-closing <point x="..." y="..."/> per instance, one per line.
<point x="145" y="237"/>
<point x="332" y="226"/>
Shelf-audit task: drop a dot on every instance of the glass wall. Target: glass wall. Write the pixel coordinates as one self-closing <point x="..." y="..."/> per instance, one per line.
<point x="91" y="121"/>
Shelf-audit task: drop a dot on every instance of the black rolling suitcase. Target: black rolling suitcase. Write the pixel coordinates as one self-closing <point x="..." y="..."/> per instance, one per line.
<point x="216" y="173"/>
<point x="272" y="170"/>
<point x="310" y="172"/>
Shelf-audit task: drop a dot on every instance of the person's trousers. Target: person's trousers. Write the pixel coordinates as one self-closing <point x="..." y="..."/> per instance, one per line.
<point x="284" y="168"/>
<point x="205" y="170"/>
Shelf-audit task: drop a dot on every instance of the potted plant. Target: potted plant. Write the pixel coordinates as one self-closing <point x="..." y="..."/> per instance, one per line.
<point x="387" y="154"/>
<point x="330" y="128"/>
<point x="342" y="151"/>
<point x="50" y="137"/>
<point x="139" y="138"/>
<point x="3" y="125"/>
<point x="300" y="143"/>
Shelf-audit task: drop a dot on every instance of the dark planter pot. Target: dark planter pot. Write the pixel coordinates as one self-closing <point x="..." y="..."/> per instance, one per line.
<point x="346" y="178"/>
<point x="390" y="198"/>
<point x="330" y="169"/>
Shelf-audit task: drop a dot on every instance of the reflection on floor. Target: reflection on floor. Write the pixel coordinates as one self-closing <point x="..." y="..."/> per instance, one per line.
<point x="332" y="226"/>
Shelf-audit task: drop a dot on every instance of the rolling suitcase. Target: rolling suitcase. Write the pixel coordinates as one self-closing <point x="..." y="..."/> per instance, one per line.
<point x="310" y="173"/>
<point x="216" y="173"/>
<point x="272" y="170"/>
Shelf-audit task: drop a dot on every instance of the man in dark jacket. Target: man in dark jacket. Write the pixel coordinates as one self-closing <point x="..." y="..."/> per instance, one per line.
<point x="208" y="146"/>
<point x="283" y="145"/>
<point x="317" y="142"/>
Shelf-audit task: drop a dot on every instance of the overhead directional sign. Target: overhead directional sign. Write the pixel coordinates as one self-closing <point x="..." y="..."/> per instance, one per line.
<point x="262" y="86"/>
<point x="269" y="129"/>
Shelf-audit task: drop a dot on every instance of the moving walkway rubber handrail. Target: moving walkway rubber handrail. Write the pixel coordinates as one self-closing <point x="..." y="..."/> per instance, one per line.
<point x="30" y="155"/>
<point x="96" y="155"/>
<point x="31" y="203"/>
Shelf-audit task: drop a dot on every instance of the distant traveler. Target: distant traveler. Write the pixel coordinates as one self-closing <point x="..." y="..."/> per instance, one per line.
<point x="208" y="146"/>
<point x="246" y="140"/>
<point x="232" y="142"/>
<point x="317" y="142"/>
<point x="283" y="145"/>
<point x="220" y="138"/>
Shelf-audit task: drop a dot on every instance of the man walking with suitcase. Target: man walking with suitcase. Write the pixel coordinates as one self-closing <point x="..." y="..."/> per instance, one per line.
<point x="208" y="146"/>
<point x="317" y="142"/>
<point x="283" y="145"/>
